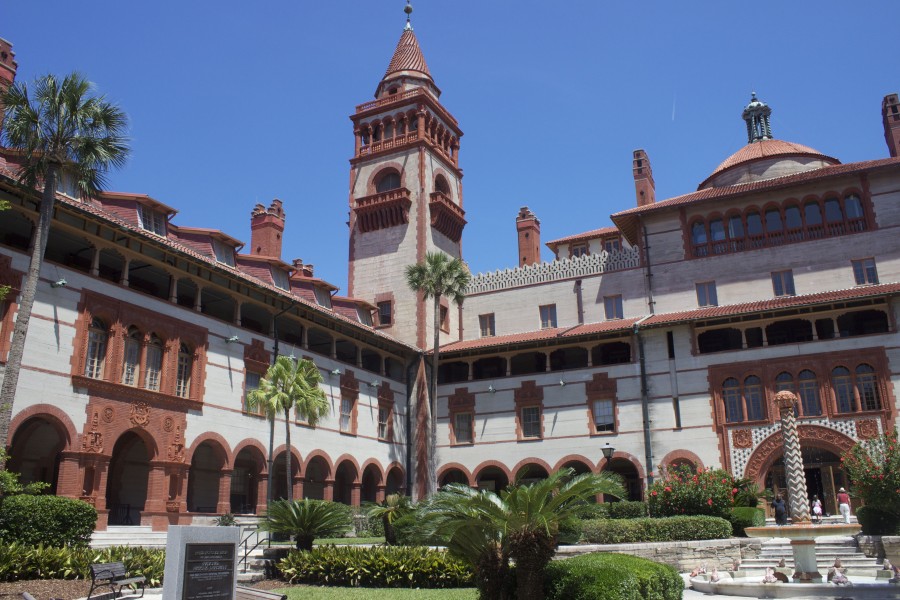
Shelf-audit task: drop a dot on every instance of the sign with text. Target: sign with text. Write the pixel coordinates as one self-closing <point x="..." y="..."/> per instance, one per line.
<point x="208" y="572"/>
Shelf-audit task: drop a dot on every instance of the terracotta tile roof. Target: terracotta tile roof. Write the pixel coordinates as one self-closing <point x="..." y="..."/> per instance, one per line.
<point x="627" y="220"/>
<point x="767" y="149"/>
<point x="714" y="312"/>
<point x="539" y="335"/>
<point x="408" y="56"/>
<point x="587" y="235"/>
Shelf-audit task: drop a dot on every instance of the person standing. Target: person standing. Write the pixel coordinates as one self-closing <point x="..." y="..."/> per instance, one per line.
<point x="780" y="510"/>
<point x="843" y="499"/>
<point x="817" y="509"/>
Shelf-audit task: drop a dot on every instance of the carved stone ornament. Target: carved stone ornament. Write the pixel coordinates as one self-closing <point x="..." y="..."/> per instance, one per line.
<point x="168" y="424"/>
<point x="867" y="429"/>
<point x="176" y="448"/>
<point x="742" y="438"/>
<point x="93" y="439"/>
<point x="140" y="414"/>
<point x="785" y="400"/>
<point x="92" y="500"/>
<point x="108" y="414"/>
<point x="172" y="506"/>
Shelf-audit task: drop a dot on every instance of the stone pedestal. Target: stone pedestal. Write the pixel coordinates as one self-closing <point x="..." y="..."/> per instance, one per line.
<point x="201" y="563"/>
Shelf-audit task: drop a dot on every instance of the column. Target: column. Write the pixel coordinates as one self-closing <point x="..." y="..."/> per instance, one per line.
<point x="223" y="503"/>
<point x="125" y="267"/>
<point x="328" y="490"/>
<point x="380" y="493"/>
<point x="356" y="142"/>
<point x="198" y="300"/>
<point x="262" y="482"/>
<point x="305" y="338"/>
<point x="470" y="365"/>
<point x="297" y="487"/>
<point x="355" y="489"/>
<point x="546" y="362"/>
<point x="508" y="366"/>
<point x="173" y="291"/>
<point x="95" y="262"/>
<point x="333" y="349"/>
<point x="359" y="357"/>
<point x="236" y="316"/>
<point x="157" y="493"/>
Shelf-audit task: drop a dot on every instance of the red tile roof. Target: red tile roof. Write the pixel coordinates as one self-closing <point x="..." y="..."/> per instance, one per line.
<point x="767" y="149"/>
<point x="539" y="335"/>
<point x="578" y="237"/>
<point x="627" y="220"/>
<point x="408" y="56"/>
<point x="715" y="312"/>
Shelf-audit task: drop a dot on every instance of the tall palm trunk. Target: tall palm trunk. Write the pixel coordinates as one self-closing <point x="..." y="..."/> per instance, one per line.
<point x="26" y="304"/>
<point x="289" y="490"/>
<point x="271" y="461"/>
<point x="432" y="441"/>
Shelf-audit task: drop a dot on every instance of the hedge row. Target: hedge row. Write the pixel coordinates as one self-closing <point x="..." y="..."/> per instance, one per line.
<point x="48" y="520"/>
<point x="386" y="567"/>
<point x="666" y="529"/>
<point x="742" y="517"/>
<point x="608" y="576"/>
<point x="19" y="561"/>
<point x="878" y="522"/>
<point x="626" y="509"/>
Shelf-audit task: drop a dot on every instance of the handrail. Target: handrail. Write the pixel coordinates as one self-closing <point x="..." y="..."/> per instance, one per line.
<point x="253" y="532"/>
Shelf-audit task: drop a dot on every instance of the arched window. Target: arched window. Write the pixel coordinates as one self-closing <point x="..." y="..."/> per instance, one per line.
<point x="735" y="227"/>
<point x="867" y="386"/>
<point x="716" y="230"/>
<point x="833" y="212"/>
<point x="441" y="185"/>
<point x="792" y="218"/>
<point x="131" y="361"/>
<point x="731" y="394"/>
<point x="753" y="397"/>
<point x="853" y="207"/>
<point x="153" y="363"/>
<point x="773" y="221"/>
<point x="754" y="224"/>
<point x="698" y="233"/>
<point x="96" y="352"/>
<point x="183" y="377"/>
<point x="809" y="394"/>
<point x="813" y="213"/>
<point x="843" y="390"/>
<point x="388" y="181"/>
<point x="784" y="382"/>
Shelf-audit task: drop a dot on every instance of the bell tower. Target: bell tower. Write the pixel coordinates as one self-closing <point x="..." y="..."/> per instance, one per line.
<point x="405" y="193"/>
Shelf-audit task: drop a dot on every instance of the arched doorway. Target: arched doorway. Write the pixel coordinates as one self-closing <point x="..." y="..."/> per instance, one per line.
<point x="317" y="472"/>
<point x="126" y="482"/>
<point x="824" y="476"/>
<point x="371" y="479"/>
<point x="491" y="478"/>
<point x="453" y="476"/>
<point x="35" y="452"/>
<point x="631" y="479"/>
<point x="531" y="473"/>
<point x="279" y="483"/>
<point x="245" y="479"/>
<point x="344" y="478"/>
<point x="203" y="478"/>
<point x="395" y="481"/>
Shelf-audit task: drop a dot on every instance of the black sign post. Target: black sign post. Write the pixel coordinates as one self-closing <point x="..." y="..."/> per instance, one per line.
<point x="208" y="572"/>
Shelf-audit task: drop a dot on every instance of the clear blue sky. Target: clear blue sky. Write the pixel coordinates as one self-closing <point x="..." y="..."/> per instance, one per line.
<point x="237" y="103"/>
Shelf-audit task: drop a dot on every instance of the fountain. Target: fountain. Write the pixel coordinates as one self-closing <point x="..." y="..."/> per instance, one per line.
<point x="802" y="533"/>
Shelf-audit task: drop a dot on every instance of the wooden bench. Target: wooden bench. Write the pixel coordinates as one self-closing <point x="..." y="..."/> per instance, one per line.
<point x="114" y="576"/>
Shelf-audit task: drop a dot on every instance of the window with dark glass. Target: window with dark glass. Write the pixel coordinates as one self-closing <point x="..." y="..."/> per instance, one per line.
<point x="731" y="394"/>
<point x="833" y="212"/>
<point x="783" y="283"/>
<point x="612" y="245"/>
<point x="152" y="221"/>
<point x="864" y="271"/>
<point x="388" y="181"/>
<point x="867" y="387"/>
<point x="809" y="394"/>
<point x="754" y="224"/>
<point x="154" y="364"/>
<point x="384" y="313"/>
<point x="251" y="383"/>
<point x="486" y="323"/>
<point x="548" y="316"/>
<point x="753" y="398"/>
<point x="323" y="297"/>
<point x="383" y="414"/>
<point x="183" y="375"/>
<point x="579" y="249"/>
<point x="613" y="307"/>
<point x="96" y="353"/>
<point x="792" y="218"/>
<point x="132" y="357"/>
<point x="706" y="294"/>
<point x="604" y="416"/>
<point x="842" y="386"/>
<point x="462" y="428"/>
<point x="531" y="421"/>
<point x="698" y="233"/>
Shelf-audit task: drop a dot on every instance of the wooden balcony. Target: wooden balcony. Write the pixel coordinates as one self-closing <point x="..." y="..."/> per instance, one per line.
<point x="383" y="210"/>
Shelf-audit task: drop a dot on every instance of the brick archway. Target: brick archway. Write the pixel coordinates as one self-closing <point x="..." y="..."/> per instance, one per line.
<point x="771" y="448"/>
<point x="679" y="456"/>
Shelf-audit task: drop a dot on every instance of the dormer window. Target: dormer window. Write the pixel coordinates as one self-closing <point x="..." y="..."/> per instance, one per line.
<point x="224" y="253"/>
<point x="323" y="298"/>
<point x="67" y="184"/>
<point x="280" y="278"/>
<point x="364" y="315"/>
<point x="579" y="249"/>
<point x="152" y="220"/>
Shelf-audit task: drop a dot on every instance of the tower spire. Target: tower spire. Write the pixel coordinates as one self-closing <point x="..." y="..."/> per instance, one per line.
<point x="756" y="114"/>
<point x="408" y="10"/>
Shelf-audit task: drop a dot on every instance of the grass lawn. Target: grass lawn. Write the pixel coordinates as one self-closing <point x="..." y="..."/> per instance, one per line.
<point x="344" y="593"/>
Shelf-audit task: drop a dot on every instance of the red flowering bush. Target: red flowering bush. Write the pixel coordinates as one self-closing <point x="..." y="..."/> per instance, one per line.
<point x="874" y="470"/>
<point x="684" y="492"/>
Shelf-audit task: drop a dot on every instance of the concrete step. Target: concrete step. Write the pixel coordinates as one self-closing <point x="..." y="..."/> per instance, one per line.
<point x="119" y="535"/>
<point x="250" y="577"/>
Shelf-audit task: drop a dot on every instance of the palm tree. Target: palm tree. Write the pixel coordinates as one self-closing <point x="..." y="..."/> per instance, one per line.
<point x="291" y="384"/>
<point x="62" y="130"/>
<point x="438" y="276"/>
<point x="394" y="507"/>
<point x="521" y="523"/>
<point x="307" y="520"/>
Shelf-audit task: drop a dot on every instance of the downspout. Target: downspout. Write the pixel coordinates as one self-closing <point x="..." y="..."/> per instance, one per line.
<point x="579" y="302"/>
<point x="645" y="386"/>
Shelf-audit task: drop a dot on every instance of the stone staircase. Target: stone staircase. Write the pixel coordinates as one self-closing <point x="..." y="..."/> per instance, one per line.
<point x="128" y="535"/>
<point x="828" y="548"/>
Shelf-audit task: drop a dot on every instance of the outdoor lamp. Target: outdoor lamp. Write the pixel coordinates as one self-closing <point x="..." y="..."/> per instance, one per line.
<point x="608" y="451"/>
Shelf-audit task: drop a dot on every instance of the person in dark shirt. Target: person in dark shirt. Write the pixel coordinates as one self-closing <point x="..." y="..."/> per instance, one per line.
<point x="780" y="510"/>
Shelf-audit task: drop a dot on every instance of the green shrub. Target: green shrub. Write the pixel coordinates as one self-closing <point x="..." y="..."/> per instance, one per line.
<point x="668" y="529"/>
<point x="744" y="516"/>
<point x="610" y="576"/>
<point x="597" y="510"/>
<point x="627" y="509"/>
<point x="874" y="468"/>
<point x="683" y="492"/>
<point x="307" y="520"/>
<point x="19" y="561"/>
<point x="878" y="522"/>
<point x="380" y="566"/>
<point x="49" y="520"/>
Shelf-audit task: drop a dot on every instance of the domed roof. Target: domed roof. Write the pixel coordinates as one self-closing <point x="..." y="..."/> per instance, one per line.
<point x="767" y="149"/>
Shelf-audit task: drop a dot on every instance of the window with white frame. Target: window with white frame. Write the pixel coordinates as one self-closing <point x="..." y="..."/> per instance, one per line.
<point x="531" y="421"/>
<point x="783" y="283"/>
<point x="462" y="428"/>
<point x="96" y="353"/>
<point x="612" y="245"/>
<point x="548" y="316"/>
<point x="613" y="307"/>
<point x="154" y="364"/>
<point x="251" y="384"/>
<point x="131" y="363"/>
<point x="579" y="249"/>
<point x="224" y="252"/>
<point x="280" y="278"/>
<point x="383" y="416"/>
<point x="864" y="271"/>
<point x="364" y="315"/>
<point x="603" y="412"/>
<point x="487" y="325"/>
<point x="323" y="297"/>
<point x="706" y="294"/>
<point x="152" y="220"/>
<point x="346" y="414"/>
<point x="183" y="375"/>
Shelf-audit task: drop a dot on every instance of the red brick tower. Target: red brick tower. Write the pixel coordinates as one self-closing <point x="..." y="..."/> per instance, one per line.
<point x="529" y="228"/>
<point x="644" y="187"/>
<point x="890" y="115"/>
<point x="405" y="193"/>
<point x="266" y="229"/>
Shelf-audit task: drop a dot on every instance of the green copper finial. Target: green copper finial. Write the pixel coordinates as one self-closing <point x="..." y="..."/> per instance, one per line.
<point x="756" y="114"/>
<point x="408" y="10"/>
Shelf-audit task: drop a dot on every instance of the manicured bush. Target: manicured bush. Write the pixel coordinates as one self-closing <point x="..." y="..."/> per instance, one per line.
<point x="878" y="522"/>
<point x="627" y="509"/>
<point x="874" y="469"/>
<point x="307" y="520"/>
<point x="49" y="520"/>
<point x="744" y="516"/>
<point x="668" y="529"/>
<point x="380" y="566"/>
<point x="610" y="576"/>
<point x="684" y="492"/>
<point x="19" y="561"/>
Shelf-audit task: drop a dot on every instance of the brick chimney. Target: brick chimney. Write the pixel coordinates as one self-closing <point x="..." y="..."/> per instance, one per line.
<point x="890" y="115"/>
<point x="8" y="68"/>
<point x="529" y="229"/>
<point x="266" y="228"/>
<point x="302" y="270"/>
<point x="644" y="187"/>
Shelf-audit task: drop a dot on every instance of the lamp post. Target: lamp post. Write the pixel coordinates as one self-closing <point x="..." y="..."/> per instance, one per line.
<point x="608" y="451"/>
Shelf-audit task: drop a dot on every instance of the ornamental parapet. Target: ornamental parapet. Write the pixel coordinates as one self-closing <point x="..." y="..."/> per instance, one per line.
<point x="389" y="100"/>
<point x="380" y="211"/>
<point x="560" y="269"/>
<point x="446" y="217"/>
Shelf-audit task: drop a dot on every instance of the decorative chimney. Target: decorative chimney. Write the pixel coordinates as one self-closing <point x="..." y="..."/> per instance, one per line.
<point x="266" y="228"/>
<point x="529" y="229"/>
<point x="644" y="186"/>
<point x="302" y="270"/>
<point x="890" y="115"/>
<point x="8" y="68"/>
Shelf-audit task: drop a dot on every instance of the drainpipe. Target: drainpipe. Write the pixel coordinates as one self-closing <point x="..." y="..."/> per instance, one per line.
<point x="579" y="302"/>
<point x="648" y="274"/>
<point x="645" y="399"/>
